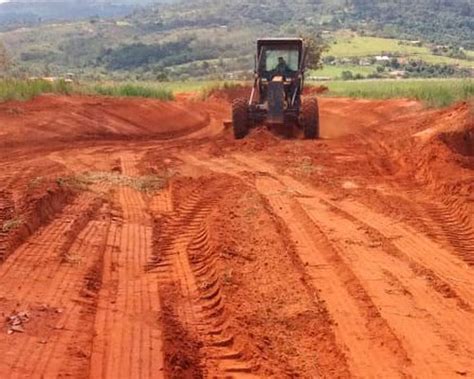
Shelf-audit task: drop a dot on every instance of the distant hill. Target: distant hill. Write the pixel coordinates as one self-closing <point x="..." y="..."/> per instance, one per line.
<point x="188" y="38"/>
<point x="23" y="13"/>
<point x="33" y="12"/>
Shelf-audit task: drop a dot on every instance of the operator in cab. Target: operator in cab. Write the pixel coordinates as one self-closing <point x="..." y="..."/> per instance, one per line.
<point x="282" y="68"/>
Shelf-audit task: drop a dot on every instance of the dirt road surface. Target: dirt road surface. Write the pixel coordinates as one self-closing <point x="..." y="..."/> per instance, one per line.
<point x="139" y="240"/>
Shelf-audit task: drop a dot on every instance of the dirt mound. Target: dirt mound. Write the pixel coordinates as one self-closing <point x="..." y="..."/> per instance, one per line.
<point x="458" y="134"/>
<point x="444" y="151"/>
<point x="37" y="206"/>
<point x="460" y="141"/>
<point x="63" y="118"/>
<point x="450" y="134"/>
<point x="230" y="94"/>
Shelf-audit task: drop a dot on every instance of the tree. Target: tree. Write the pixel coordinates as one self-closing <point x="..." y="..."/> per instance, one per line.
<point x="394" y="63"/>
<point x="347" y="75"/>
<point x="315" y="47"/>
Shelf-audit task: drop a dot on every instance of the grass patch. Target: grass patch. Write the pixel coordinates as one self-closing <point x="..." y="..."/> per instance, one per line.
<point x="336" y="71"/>
<point x="434" y="93"/>
<point x="13" y="89"/>
<point x="361" y="46"/>
<point x="132" y="90"/>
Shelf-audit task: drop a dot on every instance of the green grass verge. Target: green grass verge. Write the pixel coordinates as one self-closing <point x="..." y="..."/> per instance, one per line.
<point x="12" y="89"/>
<point x="131" y="90"/>
<point x="434" y="93"/>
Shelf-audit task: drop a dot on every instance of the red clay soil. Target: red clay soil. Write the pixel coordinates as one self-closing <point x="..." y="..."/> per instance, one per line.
<point x="140" y="240"/>
<point x="78" y="118"/>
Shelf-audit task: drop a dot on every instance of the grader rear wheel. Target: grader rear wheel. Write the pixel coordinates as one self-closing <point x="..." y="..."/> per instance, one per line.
<point x="309" y="118"/>
<point x="240" y="118"/>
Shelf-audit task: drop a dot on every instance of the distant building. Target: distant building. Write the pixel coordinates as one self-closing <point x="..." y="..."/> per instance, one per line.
<point x="382" y="58"/>
<point x="320" y="78"/>
<point x="365" y="62"/>
<point x="122" y="23"/>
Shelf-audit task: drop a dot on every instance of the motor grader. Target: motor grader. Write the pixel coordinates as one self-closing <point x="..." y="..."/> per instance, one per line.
<point x="276" y="97"/>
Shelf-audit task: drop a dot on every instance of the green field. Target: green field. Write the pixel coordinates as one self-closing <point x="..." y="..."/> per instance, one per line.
<point x="358" y="46"/>
<point x="336" y="71"/>
<point x="432" y="92"/>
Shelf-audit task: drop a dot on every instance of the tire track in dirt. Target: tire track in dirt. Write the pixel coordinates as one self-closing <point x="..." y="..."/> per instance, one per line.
<point x="6" y="214"/>
<point x="403" y="269"/>
<point x="434" y="324"/>
<point x="366" y="332"/>
<point x="161" y="202"/>
<point x="36" y="279"/>
<point x="128" y="334"/>
<point x="75" y="327"/>
<point x="184" y="260"/>
<point x="417" y="248"/>
<point x="440" y="288"/>
<point x="359" y="327"/>
<point x="456" y="224"/>
<point x="447" y="220"/>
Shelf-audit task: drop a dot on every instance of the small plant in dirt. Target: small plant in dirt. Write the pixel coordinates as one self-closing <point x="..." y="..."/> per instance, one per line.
<point x="12" y="224"/>
<point x="306" y="167"/>
<point x="35" y="182"/>
<point x="227" y="277"/>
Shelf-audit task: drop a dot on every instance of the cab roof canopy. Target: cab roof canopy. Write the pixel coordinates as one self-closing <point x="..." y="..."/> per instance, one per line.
<point x="298" y="42"/>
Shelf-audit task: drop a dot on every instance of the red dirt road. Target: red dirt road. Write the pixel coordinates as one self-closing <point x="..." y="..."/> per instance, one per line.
<point x="139" y="240"/>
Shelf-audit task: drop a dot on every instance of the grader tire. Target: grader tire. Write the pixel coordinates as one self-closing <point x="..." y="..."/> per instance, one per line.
<point x="240" y="118"/>
<point x="310" y="118"/>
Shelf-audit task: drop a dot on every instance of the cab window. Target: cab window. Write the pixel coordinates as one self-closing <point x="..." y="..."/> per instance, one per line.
<point x="271" y="57"/>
